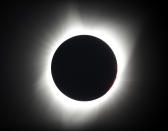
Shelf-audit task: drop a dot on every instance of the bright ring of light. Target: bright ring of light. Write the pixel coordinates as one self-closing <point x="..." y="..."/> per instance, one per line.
<point x="119" y="37"/>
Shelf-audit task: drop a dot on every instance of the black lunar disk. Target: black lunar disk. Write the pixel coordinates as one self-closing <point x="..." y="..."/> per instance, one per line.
<point x="84" y="68"/>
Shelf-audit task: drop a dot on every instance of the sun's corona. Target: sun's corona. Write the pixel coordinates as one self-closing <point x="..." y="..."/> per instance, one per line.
<point x="119" y="37"/>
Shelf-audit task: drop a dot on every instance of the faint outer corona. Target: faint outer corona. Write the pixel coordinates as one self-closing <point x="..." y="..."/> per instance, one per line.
<point x="84" y="68"/>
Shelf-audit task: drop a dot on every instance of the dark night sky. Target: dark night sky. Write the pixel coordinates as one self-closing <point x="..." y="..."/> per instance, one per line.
<point x="26" y="23"/>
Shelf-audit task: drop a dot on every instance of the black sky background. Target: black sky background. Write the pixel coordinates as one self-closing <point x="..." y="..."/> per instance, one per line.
<point x="24" y="24"/>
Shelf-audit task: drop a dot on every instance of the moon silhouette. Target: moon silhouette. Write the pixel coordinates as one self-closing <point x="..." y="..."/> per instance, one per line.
<point x="84" y="68"/>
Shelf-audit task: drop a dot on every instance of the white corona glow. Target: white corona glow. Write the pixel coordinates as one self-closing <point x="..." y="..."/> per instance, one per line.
<point x="118" y="36"/>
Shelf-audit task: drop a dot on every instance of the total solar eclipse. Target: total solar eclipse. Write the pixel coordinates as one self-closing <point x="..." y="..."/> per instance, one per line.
<point x="84" y="68"/>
